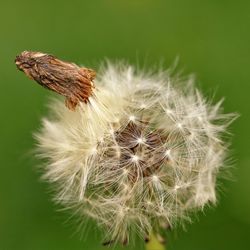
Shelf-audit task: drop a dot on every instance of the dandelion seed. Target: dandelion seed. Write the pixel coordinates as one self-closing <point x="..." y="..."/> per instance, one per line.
<point x="176" y="187"/>
<point x="169" y="112"/>
<point x="167" y="153"/>
<point x="143" y="105"/>
<point x="141" y="140"/>
<point x="135" y="158"/>
<point x="132" y="118"/>
<point x="179" y="125"/>
<point x="155" y="178"/>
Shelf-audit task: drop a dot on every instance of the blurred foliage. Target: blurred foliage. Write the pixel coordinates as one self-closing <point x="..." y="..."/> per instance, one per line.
<point x="210" y="37"/>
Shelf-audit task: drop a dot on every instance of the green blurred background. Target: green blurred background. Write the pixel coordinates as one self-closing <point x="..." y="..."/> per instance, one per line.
<point x="210" y="37"/>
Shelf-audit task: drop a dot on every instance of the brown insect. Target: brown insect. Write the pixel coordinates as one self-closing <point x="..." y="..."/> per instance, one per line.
<point x="67" y="79"/>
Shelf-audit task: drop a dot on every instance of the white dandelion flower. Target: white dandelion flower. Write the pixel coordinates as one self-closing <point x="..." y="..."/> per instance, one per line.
<point x="142" y="151"/>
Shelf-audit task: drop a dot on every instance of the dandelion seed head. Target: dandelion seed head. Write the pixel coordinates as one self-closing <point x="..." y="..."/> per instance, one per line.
<point x="145" y="150"/>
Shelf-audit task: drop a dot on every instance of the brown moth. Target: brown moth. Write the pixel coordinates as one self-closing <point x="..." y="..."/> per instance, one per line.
<point x="65" y="78"/>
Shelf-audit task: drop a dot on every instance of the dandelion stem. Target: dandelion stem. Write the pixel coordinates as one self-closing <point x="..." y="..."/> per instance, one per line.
<point x="154" y="243"/>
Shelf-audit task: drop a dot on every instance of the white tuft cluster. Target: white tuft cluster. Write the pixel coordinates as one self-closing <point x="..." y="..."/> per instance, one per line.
<point x="141" y="154"/>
